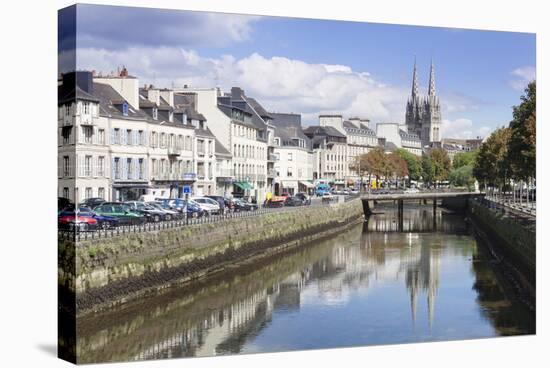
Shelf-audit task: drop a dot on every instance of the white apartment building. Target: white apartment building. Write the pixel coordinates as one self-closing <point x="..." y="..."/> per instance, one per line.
<point x="240" y="125"/>
<point x="396" y="137"/>
<point x="330" y="161"/>
<point x="360" y="140"/>
<point x="116" y="150"/>
<point x="293" y="162"/>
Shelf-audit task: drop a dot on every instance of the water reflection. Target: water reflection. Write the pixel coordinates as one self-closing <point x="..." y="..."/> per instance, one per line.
<point x="363" y="287"/>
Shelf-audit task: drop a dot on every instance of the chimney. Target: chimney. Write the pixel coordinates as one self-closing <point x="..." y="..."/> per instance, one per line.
<point x="124" y="72"/>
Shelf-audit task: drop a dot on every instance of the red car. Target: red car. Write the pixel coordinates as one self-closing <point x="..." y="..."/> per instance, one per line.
<point x="84" y="223"/>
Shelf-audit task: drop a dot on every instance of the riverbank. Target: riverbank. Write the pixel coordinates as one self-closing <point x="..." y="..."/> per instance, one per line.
<point x="112" y="271"/>
<point x="513" y="249"/>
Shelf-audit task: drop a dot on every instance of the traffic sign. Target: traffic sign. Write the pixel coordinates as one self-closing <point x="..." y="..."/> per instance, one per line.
<point x="187" y="189"/>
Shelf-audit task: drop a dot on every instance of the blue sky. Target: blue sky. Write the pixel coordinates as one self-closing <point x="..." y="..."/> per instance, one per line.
<point x="314" y="66"/>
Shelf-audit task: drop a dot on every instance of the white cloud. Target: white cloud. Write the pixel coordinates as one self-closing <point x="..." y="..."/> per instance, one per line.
<point x="279" y="83"/>
<point x="522" y="76"/>
<point x="462" y="129"/>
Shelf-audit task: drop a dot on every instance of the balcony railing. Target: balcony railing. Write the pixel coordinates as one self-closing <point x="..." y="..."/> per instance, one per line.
<point x="271" y="174"/>
<point x="272" y="157"/>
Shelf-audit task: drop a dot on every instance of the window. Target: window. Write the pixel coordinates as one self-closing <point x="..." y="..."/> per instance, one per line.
<point x="141" y="138"/>
<point x="289" y="156"/>
<point x="66" y="192"/>
<point x="200" y="146"/>
<point x="66" y="133"/>
<point x="86" y="105"/>
<point x="66" y="166"/>
<point x="155" y="113"/>
<point x="162" y="140"/>
<point x="129" y="137"/>
<point x="101" y="166"/>
<point x="116" y="136"/>
<point x="140" y="168"/>
<point x="125" y="108"/>
<point x="154" y="167"/>
<point x="101" y="136"/>
<point x="117" y="168"/>
<point x="101" y="192"/>
<point x="289" y="172"/>
<point x="129" y="168"/>
<point x="88" y="166"/>
<point x="67" y="110"/>
<point x="88" y="193"/>
<point x="88" y="133"/>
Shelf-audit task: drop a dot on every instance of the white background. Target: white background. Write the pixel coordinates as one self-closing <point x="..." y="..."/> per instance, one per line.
<point x="28" y="261"/>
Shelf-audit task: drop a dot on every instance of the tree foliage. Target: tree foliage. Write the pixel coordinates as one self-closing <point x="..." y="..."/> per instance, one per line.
<point x="522" y="145"/>
<point x="462" y="176"/>
<point x="464" y="159"/>
<point x="413" y="162"/>
<point x="492" y="163"/>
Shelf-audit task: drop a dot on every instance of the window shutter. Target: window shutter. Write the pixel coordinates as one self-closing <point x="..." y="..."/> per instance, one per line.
<point x="59" y="166"/>
<point x="112" y="168"/>
<point x="112" y="136"/>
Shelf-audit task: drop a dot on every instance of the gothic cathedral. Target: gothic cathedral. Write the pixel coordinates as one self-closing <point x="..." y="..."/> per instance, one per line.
<point x="423" y="115"/>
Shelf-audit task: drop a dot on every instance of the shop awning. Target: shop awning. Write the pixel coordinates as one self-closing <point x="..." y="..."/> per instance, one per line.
<point x="307" y="184"/>
<point x="244" y="185"/>
<point x="288" y="184"/>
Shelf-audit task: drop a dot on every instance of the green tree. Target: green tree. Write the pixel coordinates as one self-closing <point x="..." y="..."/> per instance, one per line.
<point x="414" y="166"/>
<point x="462" y="176"/>
<point x="492" y="162"/>
<point x="441" y="163"/>
<point x="464" y="159"/>
<point x="428" y="169"/>
<point x="521" y="153"/>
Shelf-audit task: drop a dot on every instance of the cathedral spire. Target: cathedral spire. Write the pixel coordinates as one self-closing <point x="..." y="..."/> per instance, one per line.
<point x="415" y="81"/>
<point x="431" y="88"/>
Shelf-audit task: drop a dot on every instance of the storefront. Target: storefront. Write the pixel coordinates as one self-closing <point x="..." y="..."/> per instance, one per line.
<point x="306" y="187"/>
<point x="129" y="191"/>
<point x="242" y="189"/>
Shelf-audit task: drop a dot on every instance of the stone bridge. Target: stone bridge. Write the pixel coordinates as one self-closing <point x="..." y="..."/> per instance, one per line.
<point x="454" y="200"/>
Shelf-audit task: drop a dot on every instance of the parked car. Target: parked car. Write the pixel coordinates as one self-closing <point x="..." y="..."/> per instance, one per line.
<point x="354" y="191"/>
<point x="80" y="223"/>
<point x="122" y="212"/>
<point x="242" y="205"/>
<point x="103" y="222"/>
<point x="220" y="200"/>
<point x="209" y="205"/>
<point x="151" y="214"/>
<point x="62" y="203"/>
<point x="169" y="214"/>
<point x="193" y="209"/>
<point x="293" y="201"/>
<point x="306" y="200"/>
<point x="411" y="191"/>
<point x="93" y="202"/>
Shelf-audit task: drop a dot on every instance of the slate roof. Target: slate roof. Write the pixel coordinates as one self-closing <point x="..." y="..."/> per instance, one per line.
<point x="361" y="129"/>
<point x="63" y="95"/>
<point x="287" y="127"/>
<point x="314" y="130"/>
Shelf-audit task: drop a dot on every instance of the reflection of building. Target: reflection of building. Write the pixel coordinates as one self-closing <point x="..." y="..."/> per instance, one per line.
<point x="454" y="146"/>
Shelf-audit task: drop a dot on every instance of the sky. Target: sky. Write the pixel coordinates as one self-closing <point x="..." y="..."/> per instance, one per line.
<point x="308" y="66"/>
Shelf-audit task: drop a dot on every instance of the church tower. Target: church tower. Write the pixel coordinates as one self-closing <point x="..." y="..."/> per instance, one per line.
<point x="423" y="115"/>
<point x="413" y="115"/>
<point x="431" y="114"/>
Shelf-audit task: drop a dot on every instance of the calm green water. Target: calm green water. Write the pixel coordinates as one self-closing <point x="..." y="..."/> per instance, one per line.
<point x="369" y="286"/>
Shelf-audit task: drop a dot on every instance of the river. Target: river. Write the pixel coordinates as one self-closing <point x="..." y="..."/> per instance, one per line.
<point x="371" y="285"/>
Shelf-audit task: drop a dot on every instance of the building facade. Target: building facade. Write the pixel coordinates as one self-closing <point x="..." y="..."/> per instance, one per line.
<point x="294" y="156"/>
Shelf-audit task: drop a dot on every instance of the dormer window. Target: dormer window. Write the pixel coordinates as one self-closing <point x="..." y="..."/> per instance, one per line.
<point x="125" y="108"/>
<point x="155" y="113"/>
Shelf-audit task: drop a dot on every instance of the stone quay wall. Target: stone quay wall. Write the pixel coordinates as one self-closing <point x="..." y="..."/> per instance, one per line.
<point x="110" y="271"/>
